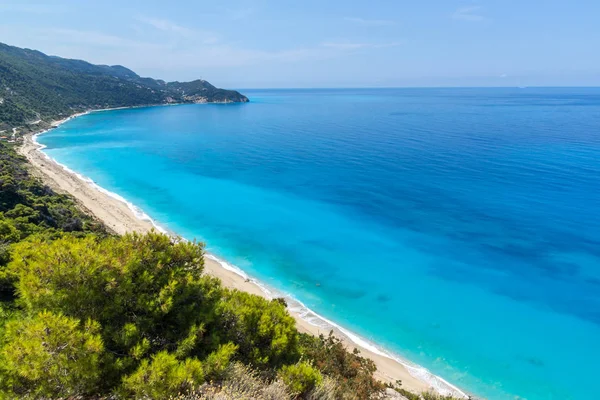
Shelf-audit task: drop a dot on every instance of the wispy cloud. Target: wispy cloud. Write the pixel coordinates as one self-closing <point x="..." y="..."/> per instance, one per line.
<point x="94" y="38"/>
<point x="237" y="14"/>
<point x="355" y="46"/>
<point x="370" y="22"/>
<point x="344" y="46"/>
<point x="469" y="14"/>
<point x="101" y="47"/>
<point x="167" y="26"/>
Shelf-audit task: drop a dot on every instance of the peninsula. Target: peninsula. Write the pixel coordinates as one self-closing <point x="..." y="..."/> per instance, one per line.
<point x="36" y="88"/>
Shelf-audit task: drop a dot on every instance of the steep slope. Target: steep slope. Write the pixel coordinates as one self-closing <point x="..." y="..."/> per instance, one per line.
<point x="36" y="86"/>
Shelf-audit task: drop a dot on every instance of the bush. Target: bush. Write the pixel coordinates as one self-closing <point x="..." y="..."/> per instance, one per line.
<point x="163" y="376"/>
<point x="217" y="362"/>
<point x="301" y="378"/>
<point x="353" y="372"/>
<point x="264" y="331"/>
<point x="147" y="293"/>
<point x="51" y="355"/>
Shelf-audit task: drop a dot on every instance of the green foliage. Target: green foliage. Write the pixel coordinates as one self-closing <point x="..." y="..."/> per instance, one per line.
<point x="8" y="231"/>
<point x="7" y="312"/>
<point x="147" y="293"/>
<point x="51" y="355"/>
<point x="217" y="362"/>
<point x="264" y="331"/>
<point x="163" y="376"/>
<point x="301" y="378"/>
<point x="353" y="372"/>
<point x="34" y="85"/>
<point x="29" y="207"/>
<point x="158" y="315"/>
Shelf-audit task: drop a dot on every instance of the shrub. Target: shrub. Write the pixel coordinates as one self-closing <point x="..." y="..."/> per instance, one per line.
<point x="353" y="372"/>
<point x="264" y="331"/>
<point x="147" y="293"/>
<point x="51" y="355"/>
<point x="163" y="376"/>
<point x="301" y="378"/>
<point x="217" y="362"/>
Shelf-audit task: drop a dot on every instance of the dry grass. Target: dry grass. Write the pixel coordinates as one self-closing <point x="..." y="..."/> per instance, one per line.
<point x="242" y="383"/>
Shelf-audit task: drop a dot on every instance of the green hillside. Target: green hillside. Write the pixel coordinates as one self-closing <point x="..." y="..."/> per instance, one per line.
<point x="36" y="86"/>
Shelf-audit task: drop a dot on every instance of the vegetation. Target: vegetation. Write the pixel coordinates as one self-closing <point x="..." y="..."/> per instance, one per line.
<point x="87" y="314"/>
<point x="353" y="372"/>
<point x="135" y="316"/>
<point x="301" y="377"/>
<point x="35" y="86"/>
<point x="27" y="207"/>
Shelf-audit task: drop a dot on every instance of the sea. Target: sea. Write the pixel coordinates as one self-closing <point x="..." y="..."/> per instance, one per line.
<point x="456" y="229"/>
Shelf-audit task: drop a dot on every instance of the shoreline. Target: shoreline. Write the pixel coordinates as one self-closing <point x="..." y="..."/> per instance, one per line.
<point x="121" y="216"/>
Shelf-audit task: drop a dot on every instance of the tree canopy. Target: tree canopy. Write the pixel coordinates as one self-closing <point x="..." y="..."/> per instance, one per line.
<point x="135" y="316"/>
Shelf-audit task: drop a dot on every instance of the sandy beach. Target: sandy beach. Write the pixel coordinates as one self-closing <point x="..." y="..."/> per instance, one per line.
<point x="118" y="217"/>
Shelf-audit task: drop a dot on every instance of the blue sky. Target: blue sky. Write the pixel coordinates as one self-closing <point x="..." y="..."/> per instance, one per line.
<point x="326" y="43"/>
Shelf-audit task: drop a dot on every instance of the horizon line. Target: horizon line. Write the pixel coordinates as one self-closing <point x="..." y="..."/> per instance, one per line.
<point x="421" y="87"/>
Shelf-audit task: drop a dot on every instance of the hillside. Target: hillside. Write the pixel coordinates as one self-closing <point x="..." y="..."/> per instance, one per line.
<point x="36" y="86"/>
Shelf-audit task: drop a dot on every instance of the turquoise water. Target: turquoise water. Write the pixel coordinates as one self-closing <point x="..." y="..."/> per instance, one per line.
<point x="458" y="228"/>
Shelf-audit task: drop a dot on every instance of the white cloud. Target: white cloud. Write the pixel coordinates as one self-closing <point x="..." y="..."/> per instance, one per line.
<point x="98" y="47"/>
<point x="237" y="14"/>
<point x="355" y="46"/>
<point x="94" y="38"/>
<point x="158" y="46"/>
<point x="370" y="22"/>
<point x="167" y="26"/>
<point x="345" y="46"/>
<point x="468" y="14"/>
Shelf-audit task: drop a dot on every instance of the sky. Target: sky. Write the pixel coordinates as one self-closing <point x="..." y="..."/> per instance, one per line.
<point x="322" y="43"/>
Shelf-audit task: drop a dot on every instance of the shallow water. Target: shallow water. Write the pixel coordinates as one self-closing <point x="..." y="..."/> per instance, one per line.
<point x="458" y="228"/>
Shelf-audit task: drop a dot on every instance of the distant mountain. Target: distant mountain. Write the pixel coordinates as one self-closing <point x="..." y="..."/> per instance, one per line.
<point x="35" y="86"/>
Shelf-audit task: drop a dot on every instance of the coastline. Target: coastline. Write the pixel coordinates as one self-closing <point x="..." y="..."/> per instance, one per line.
<point x="121" y="216"/>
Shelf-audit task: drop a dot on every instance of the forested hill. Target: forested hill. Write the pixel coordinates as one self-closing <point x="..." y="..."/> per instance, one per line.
<point x="36" y="86"/>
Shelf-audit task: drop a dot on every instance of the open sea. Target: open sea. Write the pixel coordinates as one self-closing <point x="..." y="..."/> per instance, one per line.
<point x="456" y="228"/>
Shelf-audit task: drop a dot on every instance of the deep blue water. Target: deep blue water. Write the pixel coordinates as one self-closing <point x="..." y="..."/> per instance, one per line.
<point x="459" y="228"/>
